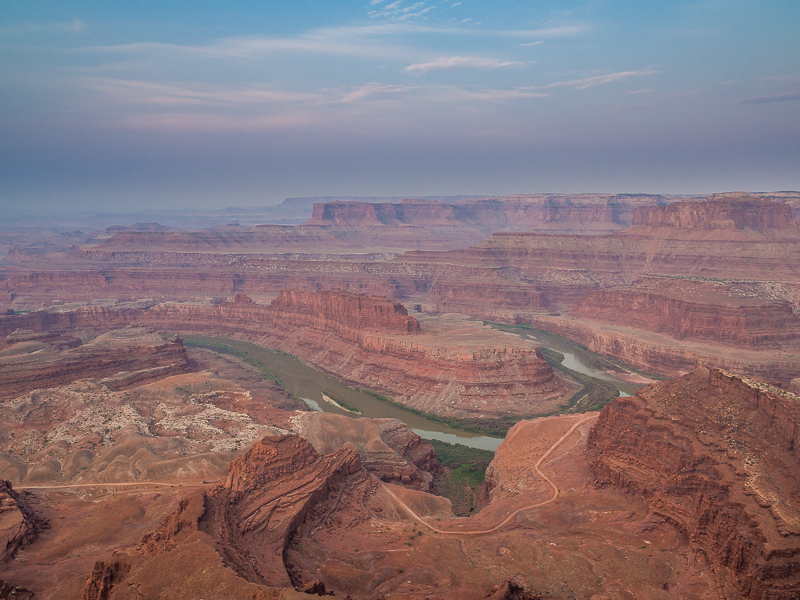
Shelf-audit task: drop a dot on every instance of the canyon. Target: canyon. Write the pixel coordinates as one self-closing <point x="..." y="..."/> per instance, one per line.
<point x="668" y="260"/>
<point x="668" y="494"/>
<point x="136" y="465"/>
<point x="452" y="367"/>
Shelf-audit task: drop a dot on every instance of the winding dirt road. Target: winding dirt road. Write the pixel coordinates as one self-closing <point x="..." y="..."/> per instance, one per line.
<point x="505" y="521"/>
<point x="401" y="504"/>
<point x="110" y="485"/>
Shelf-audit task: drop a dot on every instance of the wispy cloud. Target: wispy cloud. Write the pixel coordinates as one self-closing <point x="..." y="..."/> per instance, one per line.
<point x="784" y="97"/>
<point x="376" y="40"/>
<point x="374" y="91"/>
<point x="133" y="104"/>
<point x="74" y="26"/>
<point x="587" y="82"/>
<point x="492" y="95"/>
<point x="125" y="91"/>
<point x="458" y="62"/>
<point x="396" y="10"/>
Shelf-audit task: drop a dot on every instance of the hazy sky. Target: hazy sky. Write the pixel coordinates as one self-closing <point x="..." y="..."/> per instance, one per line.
<point x="130" y="105"/>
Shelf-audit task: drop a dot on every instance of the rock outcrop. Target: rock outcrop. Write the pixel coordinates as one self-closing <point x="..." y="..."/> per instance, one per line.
<point x="716" y="455"/>
<point x="19" y="524"/>
<point x="103" y="578"/>
<point x="35" y="364"/>
<point x="346" y="314"/>
<point x="265" y="496"/>
<point x="387" y="448"/>
<point x="731" y="211"/>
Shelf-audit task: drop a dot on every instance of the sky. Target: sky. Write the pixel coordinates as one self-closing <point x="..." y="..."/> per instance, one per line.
<point x="126" y="106"/>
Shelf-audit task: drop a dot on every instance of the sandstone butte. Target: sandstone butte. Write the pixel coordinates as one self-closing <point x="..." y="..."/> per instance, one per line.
<point x="717" y="456"/>
<point x="461" y="369"/>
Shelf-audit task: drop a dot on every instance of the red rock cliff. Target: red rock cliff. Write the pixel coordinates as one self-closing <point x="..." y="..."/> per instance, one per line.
<point x="749" y="323"/>
<point x="343" y="312"/>
<point x="720" y="211"/>
<point x="26" y="366"/>
<point x="718" y="456"/>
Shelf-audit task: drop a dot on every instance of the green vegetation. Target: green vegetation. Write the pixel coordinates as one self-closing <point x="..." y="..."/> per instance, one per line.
<point x="490" y="427"/>
<point x="552" y="357"/>
<point x="343" y="403"/>
<point x="192" y="342"/>
<point x="467" y="465"/>
<point x="595" y="393"/>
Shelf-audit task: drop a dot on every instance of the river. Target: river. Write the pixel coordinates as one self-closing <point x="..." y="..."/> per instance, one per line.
<point x="308" y="384"/>
<point x="576" y="358"/>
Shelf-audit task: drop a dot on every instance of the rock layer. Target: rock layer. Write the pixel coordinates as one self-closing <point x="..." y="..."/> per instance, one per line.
<point x="721" y="211"/>
<point x="28" y="365"/>
<point x="753" y="323"/>
<point x="460" y="369"/>
<point x="717" y="455"/>
<point x="265" y="496"/>
<point x="386" y="447"/>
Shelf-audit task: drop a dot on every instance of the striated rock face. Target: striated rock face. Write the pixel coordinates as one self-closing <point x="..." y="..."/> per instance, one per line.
<point x="265" y="496"/>
<point x="32" y="364"/>
<point x="459" y="295"/>
<point x="749" y="323"/>
<point x="460" y="369"/>
<point x="342" y="312"/>
<point x="19" y="525"/>
<point x="735" y="210"/>
<point x="663" y="354"/>
<point x="718" y="456"/>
